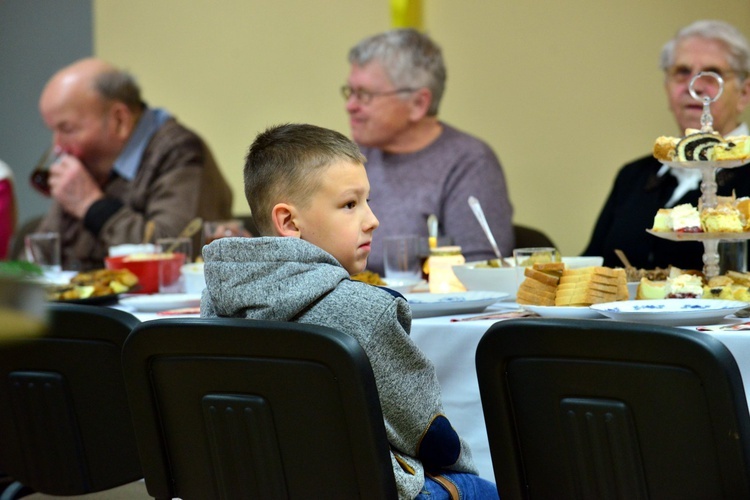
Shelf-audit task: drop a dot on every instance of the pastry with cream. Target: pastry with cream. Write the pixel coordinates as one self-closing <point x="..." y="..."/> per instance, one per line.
<point x="663" y="220"/>
<point x="686" y="219"/>
<point x="684" y="286"/>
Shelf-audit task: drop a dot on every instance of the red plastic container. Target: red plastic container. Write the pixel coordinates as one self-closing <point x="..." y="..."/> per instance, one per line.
<point x="147" y="269"/>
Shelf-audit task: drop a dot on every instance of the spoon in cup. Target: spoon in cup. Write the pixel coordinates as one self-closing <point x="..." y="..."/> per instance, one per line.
<point x="192" y="228"/>
<point x="479" y="214"/>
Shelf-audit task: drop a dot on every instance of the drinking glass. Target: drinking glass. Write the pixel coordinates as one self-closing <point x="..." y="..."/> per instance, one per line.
<point x="43" y="249"/>
<point x="40" y="175"/>
<point x="401" y="258"/>
<point x="170" y="275"/>
<point x="732" y="256"/>
<point x="527" y="257"/>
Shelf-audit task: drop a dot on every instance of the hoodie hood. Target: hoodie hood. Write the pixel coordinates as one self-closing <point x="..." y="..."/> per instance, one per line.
<point x="268" y="278"/>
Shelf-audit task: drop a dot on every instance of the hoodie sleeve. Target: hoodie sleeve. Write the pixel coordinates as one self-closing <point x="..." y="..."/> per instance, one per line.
<point x="410" y="395"/>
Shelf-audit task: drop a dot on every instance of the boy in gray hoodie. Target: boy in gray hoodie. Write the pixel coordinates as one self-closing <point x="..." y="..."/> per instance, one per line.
<point x="308" y="193"/>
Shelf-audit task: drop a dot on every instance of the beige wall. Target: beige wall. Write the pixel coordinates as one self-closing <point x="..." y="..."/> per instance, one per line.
<point x="565" y="92"/>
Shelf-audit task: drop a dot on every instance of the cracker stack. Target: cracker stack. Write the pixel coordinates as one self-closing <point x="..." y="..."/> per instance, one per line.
<point x="540" y="285"/>
<point x="591" y="285"/>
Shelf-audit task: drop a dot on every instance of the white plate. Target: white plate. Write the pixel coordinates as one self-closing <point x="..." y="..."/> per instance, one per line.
<point x="424" y="305"/>
<point x="162" y="301"/>
<point x="705" y="164"/>
<point x="671" y="311"/>
<point x="403" y="286"/>
<point x="572" y="312"/>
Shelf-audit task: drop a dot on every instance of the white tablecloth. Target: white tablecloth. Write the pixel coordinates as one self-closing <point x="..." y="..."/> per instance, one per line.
<point x="452" y="345"/>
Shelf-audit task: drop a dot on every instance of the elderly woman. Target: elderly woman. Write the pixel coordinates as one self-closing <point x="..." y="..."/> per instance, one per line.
<point x="645" y="185"/>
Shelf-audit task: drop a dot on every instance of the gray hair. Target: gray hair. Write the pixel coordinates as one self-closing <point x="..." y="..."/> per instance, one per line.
<point x="409" y="58"/>
<point x="737" y="44"/>
<point x="117" y="85"/>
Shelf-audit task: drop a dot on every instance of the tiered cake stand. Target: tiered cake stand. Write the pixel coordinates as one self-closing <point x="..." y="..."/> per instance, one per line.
<point x="708" y="187"/>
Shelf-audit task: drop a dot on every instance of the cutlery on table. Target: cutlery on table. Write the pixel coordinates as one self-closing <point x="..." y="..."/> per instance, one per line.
<point x="432" y="231"/>
<point x="479" y="214"/>
<point x="148" y="231"/>
<point x="621" y="255"/>
<point x="192" y="228"/>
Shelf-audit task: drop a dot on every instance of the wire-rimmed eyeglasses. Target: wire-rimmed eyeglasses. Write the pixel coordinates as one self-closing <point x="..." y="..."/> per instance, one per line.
<point x="683" y="74"/>
<point x="365" y="96"/>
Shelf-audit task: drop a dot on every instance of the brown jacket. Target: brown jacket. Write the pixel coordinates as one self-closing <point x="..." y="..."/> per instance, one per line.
<point x="178" y="179"/>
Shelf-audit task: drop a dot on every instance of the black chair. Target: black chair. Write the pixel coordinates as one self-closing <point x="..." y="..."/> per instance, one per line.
<point x="528" y="237"/>
<point x="603" y="409"/>
<point x="65" y="425"/>
<point x="236" y="408"/>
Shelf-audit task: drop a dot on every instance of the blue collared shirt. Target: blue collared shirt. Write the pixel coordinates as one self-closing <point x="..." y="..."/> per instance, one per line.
<point x="127" y="164"/>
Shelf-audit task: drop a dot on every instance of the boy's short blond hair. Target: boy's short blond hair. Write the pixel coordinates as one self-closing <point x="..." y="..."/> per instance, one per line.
<point x="283" y="166"/>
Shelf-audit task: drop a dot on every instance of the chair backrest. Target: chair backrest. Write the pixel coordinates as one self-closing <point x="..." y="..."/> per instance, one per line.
<point x="65" y="425"/>
<point x="237" y="408"/>
<point x="604" y="409"/>
<point x="528" y="237"/>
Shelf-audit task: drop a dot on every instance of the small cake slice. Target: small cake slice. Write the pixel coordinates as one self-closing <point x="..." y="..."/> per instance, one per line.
<point x="698" y="147"/>
<point x="735" y="148"/>
<point x="651" y="290"/>
<point x="684" y="286"/>
<point x="743" y="205"/>
<point x="723" y="218"/>
<point x="664" y="148"/>
<point x="663" y="220"/>
<point x="686" y="219"/>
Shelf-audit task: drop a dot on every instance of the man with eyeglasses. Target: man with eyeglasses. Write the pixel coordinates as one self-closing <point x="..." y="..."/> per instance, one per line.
<point x="418" y="165"/>
<point x="645" y="185"/>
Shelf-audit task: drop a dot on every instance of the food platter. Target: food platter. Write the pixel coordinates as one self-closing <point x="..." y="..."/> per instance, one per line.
<point x="565" y="312"/>
<point x="675" y="312"/>
<point x="162" y="301"/>
<point x="424" y="305"/>
<point x="676" y="236"/>
<point x="100" y="300"/>
<point x="706" y="164"/>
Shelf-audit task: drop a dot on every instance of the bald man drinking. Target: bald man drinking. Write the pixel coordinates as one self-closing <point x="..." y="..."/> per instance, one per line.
<point x="121" y="164"/>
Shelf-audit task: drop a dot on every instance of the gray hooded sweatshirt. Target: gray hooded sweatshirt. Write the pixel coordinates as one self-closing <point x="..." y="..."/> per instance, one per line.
<point x="287" y="279"/>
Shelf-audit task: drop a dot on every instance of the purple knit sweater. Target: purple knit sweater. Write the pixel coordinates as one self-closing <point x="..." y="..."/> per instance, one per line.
<point x="406" y="188"/>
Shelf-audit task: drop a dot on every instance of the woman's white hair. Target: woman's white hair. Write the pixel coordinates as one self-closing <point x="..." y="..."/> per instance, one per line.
<point x="738" y="49"/>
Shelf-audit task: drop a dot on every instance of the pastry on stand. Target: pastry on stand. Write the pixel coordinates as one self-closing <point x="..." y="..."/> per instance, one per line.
<point x="706" y="150"/>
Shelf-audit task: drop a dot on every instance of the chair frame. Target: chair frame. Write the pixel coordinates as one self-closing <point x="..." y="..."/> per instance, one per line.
<point x="63" y="406"/>
<point x="162" y="357"/>
<point x="515" y="352"/>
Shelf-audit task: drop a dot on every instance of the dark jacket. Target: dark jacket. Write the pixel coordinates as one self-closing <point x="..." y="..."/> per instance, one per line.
<point x="178" y="179"/>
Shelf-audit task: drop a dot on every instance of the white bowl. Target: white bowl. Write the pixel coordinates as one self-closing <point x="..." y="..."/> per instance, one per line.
<point x="495" y="279"/>
<point x="195" y="281"/>
<point x="578" y="262"/>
